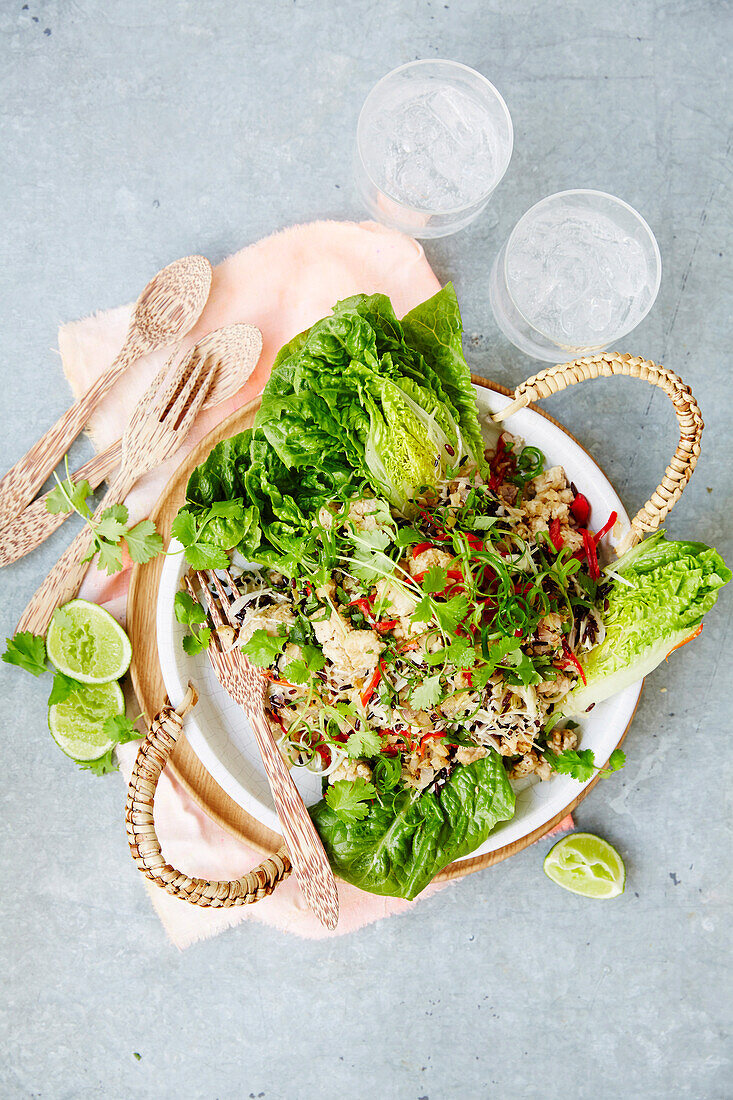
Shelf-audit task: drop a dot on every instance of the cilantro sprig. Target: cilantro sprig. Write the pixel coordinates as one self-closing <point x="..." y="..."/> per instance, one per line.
<point x="27" y="651"/>
<point x="123" y="729"/>
<point x="110" y="530"/>
<point x="350" y="800"/>
<point x="190" y="613"/>
<point x="580" y="764"/>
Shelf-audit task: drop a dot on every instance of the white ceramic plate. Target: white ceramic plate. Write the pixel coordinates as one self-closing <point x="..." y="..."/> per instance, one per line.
<point x="221" y="738"/>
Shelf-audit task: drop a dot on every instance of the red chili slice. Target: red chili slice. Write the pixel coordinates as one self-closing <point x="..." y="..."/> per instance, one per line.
<point x="581" y="509"/>
<point x="573" y="660"/>
<point x="372" y="685"/>
<point x="385" y="626"/>
<point x="606" y="526"/>
<point x="590" y="549"/>
<point x="555" y="537"/>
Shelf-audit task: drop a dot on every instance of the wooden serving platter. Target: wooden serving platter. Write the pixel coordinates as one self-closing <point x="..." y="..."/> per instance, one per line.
<point x="148" y="681"/>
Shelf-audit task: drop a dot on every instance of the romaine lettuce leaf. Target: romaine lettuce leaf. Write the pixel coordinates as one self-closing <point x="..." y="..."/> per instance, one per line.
<point x="666" y="588"/>
<point x="435" y="329"/>
<point x="398" y="850"/>
<point x="354" y="398"/>
<point x="356" y="384"/>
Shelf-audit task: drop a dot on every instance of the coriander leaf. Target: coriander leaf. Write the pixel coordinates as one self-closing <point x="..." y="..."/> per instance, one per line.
<point x="301" y="632"/>
<point x="363" y="742"/>
<point x="110" y="529"/>
<point x="296" y="672"/>
<point x="480" y="676"/>
<point x="371" y="561"/>
<point x="313" y="657"/>
<point x="423" y="613"/>
<point x="202" y="555"/>
<point x="616" y="760"/>
<point x="67" y="497"/>
<point x="112" y="523"/>
<point x="426" y="694"/>
<point x="461" y="654"/>
<point x="103" y="766"/>
<point x="195" y="643"/>
<point x="435" y="579"/>
<point x="407" y="536"/>
<point x="263" y="648"/>
<point x="349" y="800"/>
<point x="63" y="687"/>
<point x="523" y="666"/>
<point x="110" y="556"/>
<point x="143" y="542"/>
<point x="450" y="613"/>
<point x="299" y="670"/>
<point x="183" y="528"/>
<point x="187" y="610"/>
<point x="27" y="651"/>
<point x="580" y="764"/>
<point x="121" y="728"/>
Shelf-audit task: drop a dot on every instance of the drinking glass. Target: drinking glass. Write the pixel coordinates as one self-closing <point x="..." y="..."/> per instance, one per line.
<point x="580" y="270"/>
<point x="433" y="140"/>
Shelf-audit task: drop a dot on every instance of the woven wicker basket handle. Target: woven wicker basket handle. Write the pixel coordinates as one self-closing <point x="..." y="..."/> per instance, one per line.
<point x="679" y="471"/>
<point x="152" y="757"/>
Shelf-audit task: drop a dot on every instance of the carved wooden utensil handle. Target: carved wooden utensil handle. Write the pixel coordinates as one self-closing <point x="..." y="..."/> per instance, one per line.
<point x="22" y="482"/>
<point x="35" y="523"/>
<point x="310" y="863"/>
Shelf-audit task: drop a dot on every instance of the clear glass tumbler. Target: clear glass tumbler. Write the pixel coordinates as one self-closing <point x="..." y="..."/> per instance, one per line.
<point x="433" y="140"/>
<point x="580" y="270"/>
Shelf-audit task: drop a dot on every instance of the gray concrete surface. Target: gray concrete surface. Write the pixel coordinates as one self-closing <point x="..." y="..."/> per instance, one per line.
<point x="132" y="133"/>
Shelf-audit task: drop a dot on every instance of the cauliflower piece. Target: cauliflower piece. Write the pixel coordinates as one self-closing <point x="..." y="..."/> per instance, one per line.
<point x="397" y="601"/>
<point x="530" y="764"/>
<point x="267" y="619"/>
<point x="561" y="739"/>
<point x="549" y="631"/>
<point x="350" y="770"/>
<point x="363" y="514"/>
<point x="467" y="755"/>
<point x="350" y="650"/>
<point x="428" y="559"/>
<point x="554" y="478"/>
<point x="459" y="703"/>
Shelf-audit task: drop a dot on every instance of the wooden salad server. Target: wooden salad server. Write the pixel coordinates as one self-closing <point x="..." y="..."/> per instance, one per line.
<point x="157" y="428"/>
<point x="246" y="685"/>
<point x="235" y="351"/>
<point x="167" y="309"/>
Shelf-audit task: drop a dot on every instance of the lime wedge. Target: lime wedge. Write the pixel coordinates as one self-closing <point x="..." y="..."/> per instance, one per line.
<point x="587" y="865"/>
<point x="77" y="724"/>
<point x="85" y="642"/>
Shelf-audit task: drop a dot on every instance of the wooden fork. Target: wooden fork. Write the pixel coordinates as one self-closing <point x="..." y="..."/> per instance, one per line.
<point x="168" y="308"/>
<point x="246" y="685"/>
<point x="157" y="428"/>
<point x="235" y="349"/>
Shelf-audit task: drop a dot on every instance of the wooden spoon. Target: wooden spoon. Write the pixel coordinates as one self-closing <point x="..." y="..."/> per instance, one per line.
<point x="167" y="309"/>
<point x="233" y="350"/>
<point x="157" y="428"/>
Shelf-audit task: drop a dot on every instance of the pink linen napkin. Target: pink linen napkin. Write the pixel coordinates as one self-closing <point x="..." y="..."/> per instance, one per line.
<point x="282" y="284"/>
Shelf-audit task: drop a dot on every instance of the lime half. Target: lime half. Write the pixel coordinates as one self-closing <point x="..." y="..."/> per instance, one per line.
<point x="85" y="642"/>
<point x="587" y="865"/>
<point x="77" y="724"/>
